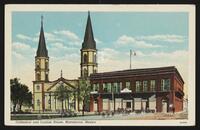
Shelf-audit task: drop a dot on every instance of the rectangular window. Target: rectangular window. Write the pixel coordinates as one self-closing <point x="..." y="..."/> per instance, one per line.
<point x="165" y="84"/>
<point x="138" y="85"/>
<point x="120" y="86"/>
<point x="95" y="87"/>
<point x="152" y="85"/>
<point x="107" y="87"/>
<point x="128" y="85"/>
<point x="115" y="87"/>
<point x="145" y="87"/>
<point x="104" y="88"/>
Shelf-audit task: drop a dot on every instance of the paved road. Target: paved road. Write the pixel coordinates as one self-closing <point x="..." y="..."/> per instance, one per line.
<point x="132" y="116"/>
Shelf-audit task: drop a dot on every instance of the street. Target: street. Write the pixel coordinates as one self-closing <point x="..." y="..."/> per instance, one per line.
<point x="131" y="116"/>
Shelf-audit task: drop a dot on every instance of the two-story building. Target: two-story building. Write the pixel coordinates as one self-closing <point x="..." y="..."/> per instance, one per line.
<point x="155" y="89"/>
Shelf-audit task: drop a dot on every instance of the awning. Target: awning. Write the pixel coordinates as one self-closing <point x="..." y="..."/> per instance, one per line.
<point x="126" y="90"/>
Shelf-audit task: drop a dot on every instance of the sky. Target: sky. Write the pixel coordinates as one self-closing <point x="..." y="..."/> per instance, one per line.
<point x="158" y="38"/>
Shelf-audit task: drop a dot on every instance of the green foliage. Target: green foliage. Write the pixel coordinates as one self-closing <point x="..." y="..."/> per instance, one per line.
<point x="84" y="89"/>
<point x="15" y="90"/>
<point x="84" y="93"/>
<point x="62" y="92"/>
<point x="28" y="101"/>
<point x="20" y="94"/>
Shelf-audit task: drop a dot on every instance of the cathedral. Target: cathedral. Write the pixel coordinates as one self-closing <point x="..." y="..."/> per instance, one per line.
<point x="44" y="91"/>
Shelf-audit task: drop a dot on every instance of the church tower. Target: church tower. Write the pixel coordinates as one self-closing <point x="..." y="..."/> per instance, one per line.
<point x="41" y="58"/>
<point x="88" y="52"/>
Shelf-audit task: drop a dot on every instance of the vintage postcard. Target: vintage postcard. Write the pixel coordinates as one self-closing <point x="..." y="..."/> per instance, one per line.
<point x="100" y="65"/>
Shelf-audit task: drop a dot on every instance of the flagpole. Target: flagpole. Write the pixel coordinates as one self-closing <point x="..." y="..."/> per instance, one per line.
<point x="130" y="57"/>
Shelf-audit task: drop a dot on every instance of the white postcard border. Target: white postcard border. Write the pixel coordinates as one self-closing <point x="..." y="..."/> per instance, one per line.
<point x="136" y="8"/>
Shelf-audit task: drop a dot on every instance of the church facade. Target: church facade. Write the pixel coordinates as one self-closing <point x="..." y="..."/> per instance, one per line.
<point x="148" y="89"/>
<point x="45" y="97"/>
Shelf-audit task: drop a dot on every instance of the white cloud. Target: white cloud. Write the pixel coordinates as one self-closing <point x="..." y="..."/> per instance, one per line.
<point x="35" y="39"/>
<point x="127" y="40"/>
<point x="70" y="35"/>
<point x="49" y="37"/>
<point x="97" y="40"/>
<point x="107" y="54"/>
<point x="166" y="38"/>
<point x="52" y="37"/>
<point x="59" y="49"/>
<point x="17" y="55"/>
<point x="175" y="55"/>
<point x="58" y="45"/>
<point x="23" y="50"/>
<point x="20" y="46"/>
<point x="23" y="37"/>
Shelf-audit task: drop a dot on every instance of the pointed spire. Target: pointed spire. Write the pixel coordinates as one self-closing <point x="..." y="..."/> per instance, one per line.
<point x="42" y="50"/>
<point x="42" y="21"/>
<point x="89" y="42"/>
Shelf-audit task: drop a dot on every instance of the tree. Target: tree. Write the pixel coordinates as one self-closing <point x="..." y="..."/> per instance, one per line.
<point x="23" y="98"/>
<point x="20" y="94"/>
<point x="84" y="93"/>
<point x="28" y="99"/>
<point x="62" y="94"/>
<point x="15" y="89"/>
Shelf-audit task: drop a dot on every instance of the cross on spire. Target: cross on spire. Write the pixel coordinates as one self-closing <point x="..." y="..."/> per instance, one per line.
<point x="61" y="74"/>
<point x="41" y="20"/>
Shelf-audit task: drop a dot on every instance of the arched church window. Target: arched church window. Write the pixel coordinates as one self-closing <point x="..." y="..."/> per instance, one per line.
<point x="95" y="58"/>
<point x="46" y="77"/>
<point x="95" y="71"/>
<point x="37" y="65"/>
<point x="46" y="65"/>
<point x="85" y="72"/>
<point x="38" y="102"/>
<point x="38" y="76"/>
<point x="85" y="58"/>
<point x="38" y="87"/>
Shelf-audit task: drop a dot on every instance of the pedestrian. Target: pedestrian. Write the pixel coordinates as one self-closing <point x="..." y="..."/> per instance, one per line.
<point x="173" y="109"/>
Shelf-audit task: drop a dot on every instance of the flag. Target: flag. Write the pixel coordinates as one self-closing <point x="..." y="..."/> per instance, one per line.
<point x="134" y="53"/>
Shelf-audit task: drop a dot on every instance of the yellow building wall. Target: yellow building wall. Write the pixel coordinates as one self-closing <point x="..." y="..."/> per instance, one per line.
<point x="90" y="57"/>
<point x="37" y="96"/>
<point x="90" y="69"/>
